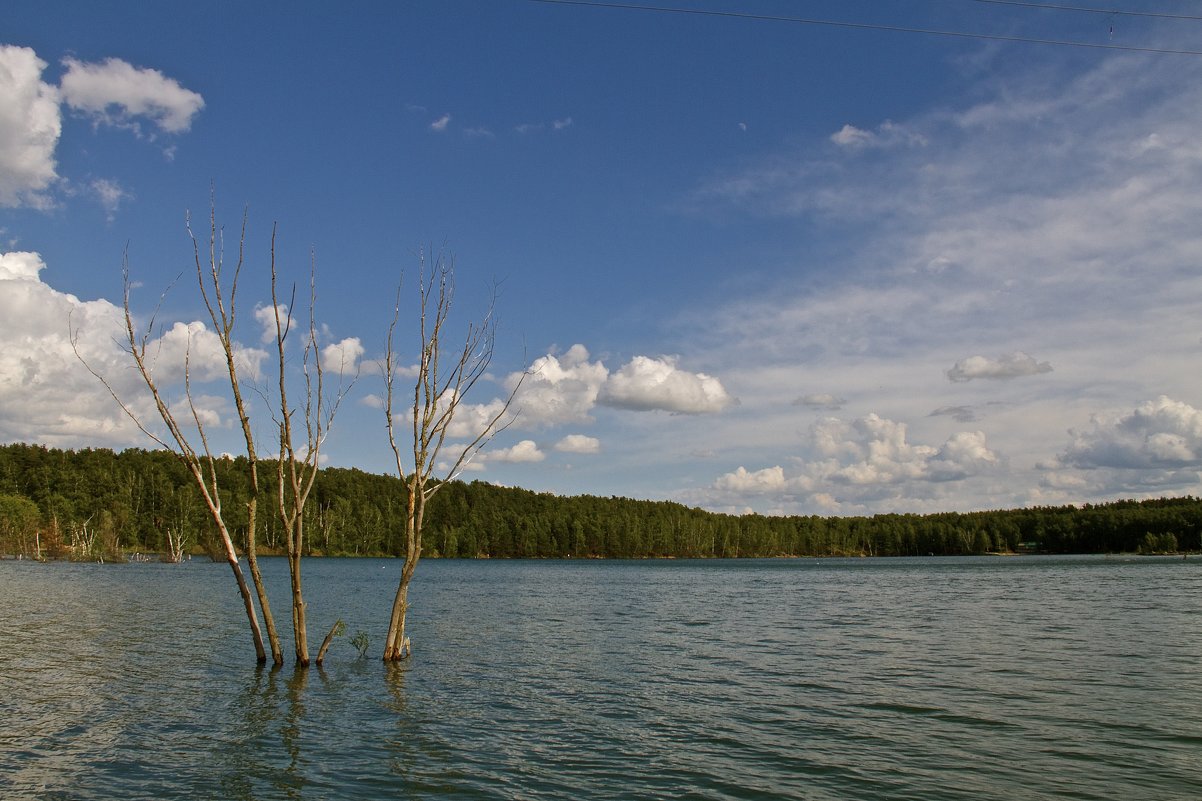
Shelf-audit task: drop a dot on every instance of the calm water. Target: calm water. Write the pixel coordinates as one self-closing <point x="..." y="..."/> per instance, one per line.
<point x="1007" y="678"/>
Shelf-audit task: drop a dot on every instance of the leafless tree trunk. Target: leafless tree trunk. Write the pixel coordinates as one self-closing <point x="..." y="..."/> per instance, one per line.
<point x="199" y="460"/>
<point x="438" y="391"/>
<point x="296" y="467"/>
<point x="296" y="470"/>
<point x="223" y="318"/>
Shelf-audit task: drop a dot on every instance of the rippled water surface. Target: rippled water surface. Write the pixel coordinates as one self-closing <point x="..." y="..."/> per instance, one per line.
<point x="1028" y="677"/>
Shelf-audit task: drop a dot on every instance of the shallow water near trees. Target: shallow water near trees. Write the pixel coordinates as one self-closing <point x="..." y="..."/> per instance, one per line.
<point x="946" y="678"/>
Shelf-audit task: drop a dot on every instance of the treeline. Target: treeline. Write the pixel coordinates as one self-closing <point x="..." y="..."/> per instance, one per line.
<point x="96" y="504"/>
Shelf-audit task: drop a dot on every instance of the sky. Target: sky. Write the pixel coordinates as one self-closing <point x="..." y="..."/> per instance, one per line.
<point x="748" y="261"/>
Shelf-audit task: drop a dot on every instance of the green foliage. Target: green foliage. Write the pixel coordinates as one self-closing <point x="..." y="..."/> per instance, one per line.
<point x="19" y="521"/>
<point x="133" y="498"/>
<point x="361" y="642"/>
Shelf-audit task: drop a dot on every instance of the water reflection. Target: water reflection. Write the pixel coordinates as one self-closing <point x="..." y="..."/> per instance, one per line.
<point x="834" y="680"/>
<point x="265" y="757"/>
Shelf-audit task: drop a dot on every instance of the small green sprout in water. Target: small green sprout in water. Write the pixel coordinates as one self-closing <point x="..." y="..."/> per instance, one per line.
<point x="362" y="642"/>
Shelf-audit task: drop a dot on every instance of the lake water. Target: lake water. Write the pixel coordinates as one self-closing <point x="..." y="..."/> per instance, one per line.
<point x="973" y="678"/>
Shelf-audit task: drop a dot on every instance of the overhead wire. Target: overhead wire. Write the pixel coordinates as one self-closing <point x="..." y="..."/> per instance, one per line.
<point x="866" y="26"/>
<point x="1086" y="10"/>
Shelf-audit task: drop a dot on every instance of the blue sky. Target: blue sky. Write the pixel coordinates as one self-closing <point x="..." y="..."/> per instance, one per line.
<point x="754" y="265"/>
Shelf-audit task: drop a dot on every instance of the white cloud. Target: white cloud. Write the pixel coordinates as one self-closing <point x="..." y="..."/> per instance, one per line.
<point x="860" y="462"/>
<point x="887" y="134"/>
<point x="525" y="451"/>
<point x="851" y="136"/>
<point x="647" y="384"/>
<point x="342" y="357"/>
<point x="878" y="451"/>
<point x="471" y="419"/>
<point x="964" y="454"/>
<point x="1056" y="213"/>
<point x="1013" y="365"/>
<point x="30" y="125"/>
<point x="769" y="480"/>
<point x="114" y="92"/>
<point x="265" y="316"/>
<point x="46" y="394"/>
<point x="561" y="124"/>
<point x="193" y="346"/>
<point x="559" y="389"/>
<point x="439" y="125"/>
<point x="578" y="443"/>
<point x="110" y="194"/>
<point x="1162" y="433"/>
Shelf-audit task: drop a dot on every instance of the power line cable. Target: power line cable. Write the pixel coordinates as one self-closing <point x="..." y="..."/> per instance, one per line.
<point x="1086" y="10"/>
<point x="865" y="26"/>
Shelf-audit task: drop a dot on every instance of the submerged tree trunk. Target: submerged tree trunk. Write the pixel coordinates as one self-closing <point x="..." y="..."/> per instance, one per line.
<point x="396" y="645"/>
<point x="231" y="556"/>
<point x="299" y="627"/>
<point x="273" y="636"/>
<point x="437" y="395"/>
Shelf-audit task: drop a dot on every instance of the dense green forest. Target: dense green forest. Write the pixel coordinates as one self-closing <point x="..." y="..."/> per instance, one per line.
<point x="97" y="504"/>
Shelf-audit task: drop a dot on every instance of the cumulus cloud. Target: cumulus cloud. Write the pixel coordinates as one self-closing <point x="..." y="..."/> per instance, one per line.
<point x="111" y="92"/>
<point x="858" y="460"/>
<point x="647" y="384"/>
<point x="1161" y="433"/>
<point x="525" y="451"/>
<point x="193" y="346"/>
<point x="439" y="125"/>
<point x="578" y="443"/>
<point x="30" y="125"/>
<point x="114" y="92"/>
<point x="768" y="481"/>
<point x="559" y="389"/>
<point x="1014" y="365"/>
<point x="964" y="454"/>
<point x="47" y="395"/>
<point x="874" y="449"/>
<point x="342" y="357"/>
<point x="562" y="389"/>
<point x="265" y="316"/>
<point x="472" y="419"/>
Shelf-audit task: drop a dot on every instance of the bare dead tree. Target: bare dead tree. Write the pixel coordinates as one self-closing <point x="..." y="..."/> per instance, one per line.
<point x="223" y="318"/>
<point x="199" y="459"/>
<point x="193" y="449"/>
<point x="296" y="469"/>
<point x="439" y="390"/>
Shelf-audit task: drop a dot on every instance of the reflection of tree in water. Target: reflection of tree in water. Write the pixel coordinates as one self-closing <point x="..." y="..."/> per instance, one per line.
<point x="362" y="730"/>
<point x="253" y="758"/>
<point x="423" y="762"/>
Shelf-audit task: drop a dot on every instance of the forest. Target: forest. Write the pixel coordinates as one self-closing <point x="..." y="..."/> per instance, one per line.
<point x="101" y="505"/>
